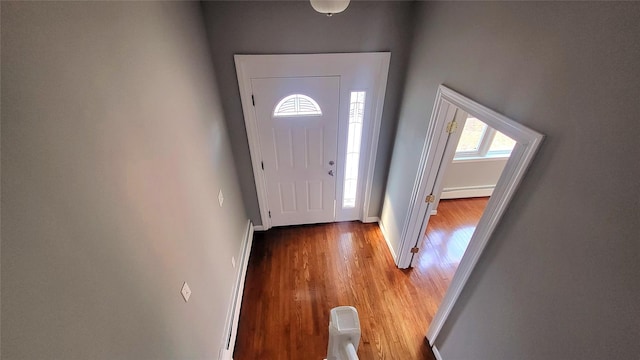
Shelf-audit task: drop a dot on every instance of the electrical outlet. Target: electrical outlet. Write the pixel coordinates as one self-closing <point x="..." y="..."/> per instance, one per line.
<point x="233" y="261"/>
<point x="220" y="197"/>
<point x="186" y="292"/>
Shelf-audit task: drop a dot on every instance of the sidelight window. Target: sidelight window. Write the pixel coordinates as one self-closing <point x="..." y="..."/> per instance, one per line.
<point x="354" y="142"/>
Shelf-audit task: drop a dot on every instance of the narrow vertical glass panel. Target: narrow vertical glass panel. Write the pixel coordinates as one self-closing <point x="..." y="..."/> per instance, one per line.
<point x="297" y="105"/>
<point x="502" y="144"/>
<point x="354" y="142"/>
<point x="472" y="135"/>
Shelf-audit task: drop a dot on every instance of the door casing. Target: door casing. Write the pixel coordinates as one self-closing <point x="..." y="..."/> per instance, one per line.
<point x="527" y="143"/>
<point x="444" y="149"/>
<point x="358" y="72"/>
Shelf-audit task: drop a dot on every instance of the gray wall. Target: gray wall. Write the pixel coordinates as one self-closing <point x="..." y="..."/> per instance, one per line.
<point x="560" y="276"/>
<point x="470" y="173"/>
<point x="113" y="151"/>
<point x="270" y="27"/>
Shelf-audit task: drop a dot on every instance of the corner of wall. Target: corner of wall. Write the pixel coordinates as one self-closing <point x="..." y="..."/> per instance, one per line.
<point x="386" y="237"/>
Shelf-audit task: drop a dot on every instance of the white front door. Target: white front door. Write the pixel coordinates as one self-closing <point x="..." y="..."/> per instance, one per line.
<point x="298" y="133"/>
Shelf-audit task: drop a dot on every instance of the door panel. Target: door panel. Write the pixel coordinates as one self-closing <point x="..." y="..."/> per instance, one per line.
<point x="445" y="150"/>
<point x="299" y="148"/>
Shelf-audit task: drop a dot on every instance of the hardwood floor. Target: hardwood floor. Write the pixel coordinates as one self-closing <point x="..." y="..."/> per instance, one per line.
<point x="297" y="274"/>
<point x="446" y="240"/>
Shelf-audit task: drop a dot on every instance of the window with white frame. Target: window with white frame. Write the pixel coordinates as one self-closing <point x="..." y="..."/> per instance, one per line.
<point x="354" y="140"/>
<point x="297" y="105"/>
<point x="478" y="140"/>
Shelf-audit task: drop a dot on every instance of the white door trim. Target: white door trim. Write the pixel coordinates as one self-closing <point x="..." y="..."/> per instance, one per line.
<point x="440" y="156"/>
<point x="528" y="142"/>
<point x="300" y="65"/>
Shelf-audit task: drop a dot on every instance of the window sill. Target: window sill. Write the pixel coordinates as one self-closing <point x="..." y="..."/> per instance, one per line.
<point x="480" y="158"/>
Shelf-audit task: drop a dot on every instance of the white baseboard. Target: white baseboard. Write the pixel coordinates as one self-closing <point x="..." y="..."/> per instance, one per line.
<point x="258" y="228"/>
<point x="371" y="219"/>
<point x="436" y="353"/>
<point x="386" y="239"/>
<point x="232" y="326"/>
<point x="225" y="355"/>
<point x="434" y="212"/>
<point x="467" y="192"/>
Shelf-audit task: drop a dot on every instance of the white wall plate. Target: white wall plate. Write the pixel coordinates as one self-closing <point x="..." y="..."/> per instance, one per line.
<point x="186" y="291"/>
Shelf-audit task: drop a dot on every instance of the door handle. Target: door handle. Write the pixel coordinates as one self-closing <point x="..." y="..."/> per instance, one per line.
<point x="331" y="172"/>
<point x="331" y="162"/>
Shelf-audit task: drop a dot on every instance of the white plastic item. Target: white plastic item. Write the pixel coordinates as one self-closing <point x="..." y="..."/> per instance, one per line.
<point x="344" y="333"/>
<point x="330" y="7"/>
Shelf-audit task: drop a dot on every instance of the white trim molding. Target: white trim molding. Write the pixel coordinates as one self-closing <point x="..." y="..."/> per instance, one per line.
<point x="467" y="192"/>
<point x="527" y="143"/>
<point x="358" y="72"/>
<point x="233" y="315"/>
<point x="436" y="353"/>
<point x="371" y="219"/>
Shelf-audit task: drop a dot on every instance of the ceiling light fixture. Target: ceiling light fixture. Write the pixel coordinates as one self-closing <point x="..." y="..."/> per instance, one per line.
<point x="329" y="7"/>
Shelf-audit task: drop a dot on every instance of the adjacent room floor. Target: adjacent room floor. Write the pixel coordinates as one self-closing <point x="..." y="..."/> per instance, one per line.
<point x="446" y="240"/>
<point x="297" y="274"/>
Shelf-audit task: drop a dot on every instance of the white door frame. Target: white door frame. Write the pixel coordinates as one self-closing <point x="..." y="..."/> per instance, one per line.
<point x="527" y="144"/>
<point x="358" y="72"/>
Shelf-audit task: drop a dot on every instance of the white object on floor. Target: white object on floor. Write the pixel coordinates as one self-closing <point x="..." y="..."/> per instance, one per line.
<point x="344" y="333"/>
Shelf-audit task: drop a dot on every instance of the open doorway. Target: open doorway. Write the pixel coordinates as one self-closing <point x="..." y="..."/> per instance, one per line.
<point x="451" y="111"/>
<point x="468" y="183"/>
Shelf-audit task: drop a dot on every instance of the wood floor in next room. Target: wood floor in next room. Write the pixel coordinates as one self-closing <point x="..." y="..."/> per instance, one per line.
<point x="446" y="239"/>
<point x="297" y="274"/>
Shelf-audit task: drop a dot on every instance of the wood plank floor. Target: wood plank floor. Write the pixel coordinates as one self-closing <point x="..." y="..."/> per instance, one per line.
<point x="297" y="274"/>
<point x="445" y="242"/>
